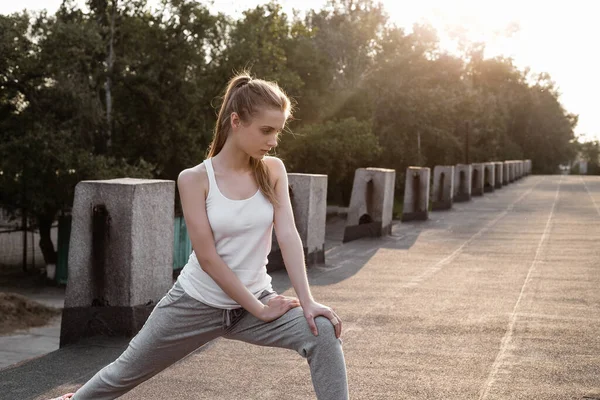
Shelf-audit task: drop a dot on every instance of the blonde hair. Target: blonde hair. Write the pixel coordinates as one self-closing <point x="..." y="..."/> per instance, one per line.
<point x="246" y="97"/>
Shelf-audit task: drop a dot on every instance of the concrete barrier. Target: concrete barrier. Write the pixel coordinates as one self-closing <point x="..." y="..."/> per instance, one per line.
<point x="505" y="173"/>
<point x="416" y="194"/>
<point x="462" y="182"/>
<point x="498" y="172"/>
<point x="308" y="194"/>
<point x="516" y="166"/>
<point x="511" y="171"/>
<point x="521" y="169"/>
<point x="443" y="187"/>
<point x="489" y="183"/>
<point x="477" y="179"/>
<point x="528" y="167"/>
<point x="120" y="256"/>
<point x="371" y="204"/>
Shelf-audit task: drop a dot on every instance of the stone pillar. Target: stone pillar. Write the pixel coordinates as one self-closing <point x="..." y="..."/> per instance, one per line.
<point x="489" y="183"/>
<point x="120" y="256"/>
<point x="371" y="204"/>
<point x="462" y="182"/>
<point x="521" y="169"/>
<point x="416" y="194"/>
<point x="498" y="172"/>
<point x="528" y="166"/>
<point x="477" y="176"/>
<point x="443" y="187"/>
<point x="505" y="173"/>
<point x="511" y="171"/>
<point x="308" y="194"/>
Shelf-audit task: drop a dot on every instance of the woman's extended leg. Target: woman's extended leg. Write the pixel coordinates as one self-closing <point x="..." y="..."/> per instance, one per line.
<point x="177" y="326"/>
<point x="291" y="331"/>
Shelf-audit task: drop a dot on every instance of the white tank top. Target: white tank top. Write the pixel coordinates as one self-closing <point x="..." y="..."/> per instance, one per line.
<point x="242" y="230"/>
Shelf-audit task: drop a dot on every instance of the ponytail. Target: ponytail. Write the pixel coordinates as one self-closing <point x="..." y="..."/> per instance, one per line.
<point x="245" y="96"/>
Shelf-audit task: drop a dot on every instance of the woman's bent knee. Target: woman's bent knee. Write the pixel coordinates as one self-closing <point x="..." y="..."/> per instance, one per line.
<point x="325" y="328"/>
<point x="325" y="339"/>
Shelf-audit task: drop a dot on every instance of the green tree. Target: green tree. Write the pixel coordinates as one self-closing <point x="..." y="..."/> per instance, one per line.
<point x="419" y="95"/>
<point x="333" y="148"/>
<point x="47" y="113"/>
<point x="347" y="33"/>
<point x="124" y="89"/>
<point x="590" y="152"/>
<point x="164" y="84"/>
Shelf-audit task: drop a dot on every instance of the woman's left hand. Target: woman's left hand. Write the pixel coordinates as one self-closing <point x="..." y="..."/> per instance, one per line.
<point x="313" y="309"/>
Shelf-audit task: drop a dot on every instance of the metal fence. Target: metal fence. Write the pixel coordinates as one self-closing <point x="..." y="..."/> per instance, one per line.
<point x="13" y="243"/>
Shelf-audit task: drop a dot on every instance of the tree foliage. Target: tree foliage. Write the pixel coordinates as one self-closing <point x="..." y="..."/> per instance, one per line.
<point x="590" y="152"/>
<point x="121" y="89"/>
<point x="335" y="148"/>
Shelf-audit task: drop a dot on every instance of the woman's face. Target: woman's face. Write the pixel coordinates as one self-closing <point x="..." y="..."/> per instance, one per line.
<point x="259" y="135"/>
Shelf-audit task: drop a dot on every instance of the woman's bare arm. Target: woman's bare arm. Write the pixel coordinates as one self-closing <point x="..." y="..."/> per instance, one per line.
<point x="293" y="253"/>
<point x="287" y="233"/>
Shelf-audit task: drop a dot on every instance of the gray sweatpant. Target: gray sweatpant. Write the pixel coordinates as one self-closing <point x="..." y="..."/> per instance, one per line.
<point x="179" y="324"/>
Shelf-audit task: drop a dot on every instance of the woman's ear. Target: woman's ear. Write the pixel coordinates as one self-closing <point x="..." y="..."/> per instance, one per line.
<point x="235" y="120"/>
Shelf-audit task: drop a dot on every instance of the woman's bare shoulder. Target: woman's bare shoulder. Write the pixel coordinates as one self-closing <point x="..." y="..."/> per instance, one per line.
<point x="275" y="164"/>
<point x="195" y="176"/>
<point x="276" y="168"/>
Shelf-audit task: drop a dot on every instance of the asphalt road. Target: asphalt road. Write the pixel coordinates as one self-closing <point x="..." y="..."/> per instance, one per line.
<point x="497" y="299"/>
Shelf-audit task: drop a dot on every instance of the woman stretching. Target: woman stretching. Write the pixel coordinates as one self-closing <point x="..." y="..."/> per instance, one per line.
<point x="231" y="202"/>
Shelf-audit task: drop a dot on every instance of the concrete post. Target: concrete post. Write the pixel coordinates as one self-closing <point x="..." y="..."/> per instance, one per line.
<point x="443" y="187"/>
<point x="462" y="182"/>
<point x="308" y="194"/>
<point x="498" y="171"/>
<point x="477" y="179"/>
<point x="416" y="194"/>
<point x="521" y="169"/>
<point x="505" y="173"/>
<point x="120" y="256"/>
<point x="371" y="204"/>
<point x="490" y="177"/>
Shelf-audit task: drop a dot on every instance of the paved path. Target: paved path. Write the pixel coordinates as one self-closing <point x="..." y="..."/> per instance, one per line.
<point x="26" y="344"/>
<point x="496" y="299"/>
<point x="22" y="345"/>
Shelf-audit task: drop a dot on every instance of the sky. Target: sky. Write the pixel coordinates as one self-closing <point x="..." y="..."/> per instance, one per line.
<point x="557" y="38"/>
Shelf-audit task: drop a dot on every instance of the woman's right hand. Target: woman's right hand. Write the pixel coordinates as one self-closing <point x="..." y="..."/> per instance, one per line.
<point x="277" y="306"/>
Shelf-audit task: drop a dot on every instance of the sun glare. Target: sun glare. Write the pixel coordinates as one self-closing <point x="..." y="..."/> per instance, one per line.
<point x="546" y="37"/>
<point x="485" y="22"/>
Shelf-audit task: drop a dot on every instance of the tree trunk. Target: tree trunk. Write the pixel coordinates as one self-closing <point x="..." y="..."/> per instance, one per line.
<point x="46" y="245"/>
<point x="108" y="84"/>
